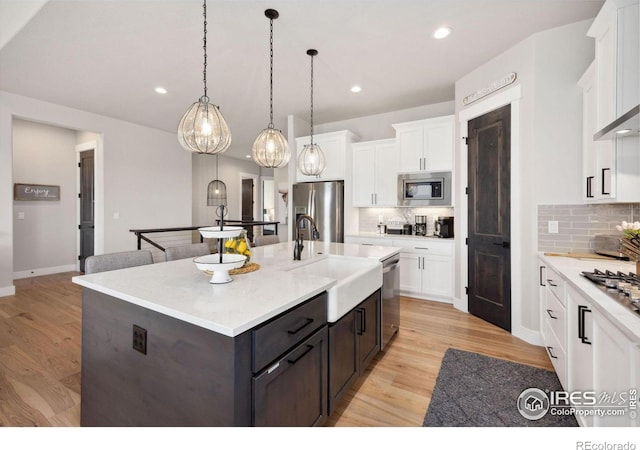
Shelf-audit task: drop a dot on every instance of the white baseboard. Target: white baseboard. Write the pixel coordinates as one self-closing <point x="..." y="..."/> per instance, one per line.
<point x="44" y="271"/>
<point x="7" y="290"/>
<point x="528" y="335"/>
<point x="426" y="297"/>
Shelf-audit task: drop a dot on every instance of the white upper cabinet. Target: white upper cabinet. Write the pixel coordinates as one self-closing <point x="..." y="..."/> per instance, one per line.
<point x="336" y="147"/>
<point x="426" y="145"/>
<point x="617" y="62"/>
<point x="375" y="173"/>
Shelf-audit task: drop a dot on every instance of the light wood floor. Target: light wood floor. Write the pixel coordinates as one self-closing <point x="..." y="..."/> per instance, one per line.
<point x="40" y="337"/>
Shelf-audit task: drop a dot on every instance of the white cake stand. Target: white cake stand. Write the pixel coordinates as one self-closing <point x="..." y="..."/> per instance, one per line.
<point x="216" y="233"/>
<point x="211" y="263"/>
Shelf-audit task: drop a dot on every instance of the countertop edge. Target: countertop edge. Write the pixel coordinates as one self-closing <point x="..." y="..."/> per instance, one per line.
<point x="613" y="311"/>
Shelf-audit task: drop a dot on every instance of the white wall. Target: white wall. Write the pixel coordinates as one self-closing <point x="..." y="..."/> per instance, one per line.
<point x="46" y="237"/>
<point x="547" y="165"/>
<point x="379" y="126"/>
<point x="143" y="175"/>
<point x="229" y="170"/>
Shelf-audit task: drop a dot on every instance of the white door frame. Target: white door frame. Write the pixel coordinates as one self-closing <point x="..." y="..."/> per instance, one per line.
<point x="509" y="96"/>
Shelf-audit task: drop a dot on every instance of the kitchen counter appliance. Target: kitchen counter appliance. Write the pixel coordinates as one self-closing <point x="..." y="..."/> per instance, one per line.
<point x="622" y="287"/>
<point x="443" y="227"/>
<point x="390" y="299"/>
<point x="420" y="228"/>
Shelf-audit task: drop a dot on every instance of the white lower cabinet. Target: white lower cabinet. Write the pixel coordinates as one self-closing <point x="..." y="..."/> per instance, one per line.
<point x="598" y="364"/>
<point x="426" y="269"/>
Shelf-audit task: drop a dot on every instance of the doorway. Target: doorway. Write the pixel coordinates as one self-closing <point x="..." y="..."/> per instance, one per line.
<point x="247" y="204"/>
<point x="489" y="217"/>
<point x="87" y="201"/>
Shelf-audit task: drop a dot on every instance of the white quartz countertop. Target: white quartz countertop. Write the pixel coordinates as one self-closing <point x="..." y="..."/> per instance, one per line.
<point x="178" y="289"/>
<point x="571" y="268"/>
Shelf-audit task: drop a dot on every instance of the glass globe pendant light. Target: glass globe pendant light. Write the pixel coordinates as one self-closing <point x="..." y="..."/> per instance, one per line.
<point x="270" y="148"/>
<point x="202" y="128"/>
<point x="311" y="161"/>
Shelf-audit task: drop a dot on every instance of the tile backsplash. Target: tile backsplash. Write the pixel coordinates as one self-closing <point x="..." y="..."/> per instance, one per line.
<point x="369" y="217"/>
<point x="578" y="224"/>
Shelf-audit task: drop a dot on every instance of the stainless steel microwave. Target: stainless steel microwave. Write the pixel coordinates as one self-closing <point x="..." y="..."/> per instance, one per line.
<point x="424" y="189"/>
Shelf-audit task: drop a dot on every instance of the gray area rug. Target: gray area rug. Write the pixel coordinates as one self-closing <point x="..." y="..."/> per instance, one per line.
<point x="474" y="390"/>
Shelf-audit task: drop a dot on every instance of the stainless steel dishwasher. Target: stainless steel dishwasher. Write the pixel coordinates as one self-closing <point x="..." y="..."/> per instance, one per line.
<point x="390" y="299"/>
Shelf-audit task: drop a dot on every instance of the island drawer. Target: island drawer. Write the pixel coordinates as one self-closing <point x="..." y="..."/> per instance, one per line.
<point x="287" y="330"/>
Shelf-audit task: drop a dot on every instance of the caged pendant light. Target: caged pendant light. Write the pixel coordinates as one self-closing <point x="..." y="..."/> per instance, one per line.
<point x="270" y="148"/>
<point x="217" y="194"/>
<point x="202" y="128"/>
<point x="311" y="161"/>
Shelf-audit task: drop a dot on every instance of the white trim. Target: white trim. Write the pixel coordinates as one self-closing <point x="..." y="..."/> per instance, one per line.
<point x="87" y="146"/>
<point x="510" y="96"/>
<point x="44" y="271"/>
<point x="7" y="291"/>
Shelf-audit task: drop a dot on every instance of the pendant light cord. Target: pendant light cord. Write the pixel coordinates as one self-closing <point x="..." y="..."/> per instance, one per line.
<point x="271" y="73"/>
<point x="204" y="47"/>
<point x="311" y="100"/>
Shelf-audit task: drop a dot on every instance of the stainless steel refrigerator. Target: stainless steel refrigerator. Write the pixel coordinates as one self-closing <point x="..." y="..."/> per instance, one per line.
<point x="324" y="202"/>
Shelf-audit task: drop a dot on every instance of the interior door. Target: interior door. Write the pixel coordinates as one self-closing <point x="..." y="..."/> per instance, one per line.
<point x="247" y="205"/>
<point x="489" y="169"/>
<point x="86" y="194"/>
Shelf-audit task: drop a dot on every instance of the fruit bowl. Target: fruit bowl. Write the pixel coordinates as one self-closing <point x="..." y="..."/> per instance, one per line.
<point x="220" y="269"/>
<point x="216" y="233"/>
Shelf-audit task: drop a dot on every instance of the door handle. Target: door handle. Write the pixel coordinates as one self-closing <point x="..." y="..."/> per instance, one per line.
<point x="549" y="311"/>
<point x="503" y="244"/>
<point x="603" y="191"/>
<point x="293" y="361"/>
<point x="582" y="310"/>
<point x="589" y="194"/>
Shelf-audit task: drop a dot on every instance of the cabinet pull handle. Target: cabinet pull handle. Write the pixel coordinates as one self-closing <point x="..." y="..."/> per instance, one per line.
<point x="603" y="171"/>
<point x="549" y="311"/>
<point x="589" y="193"/>
<point x="541" y="278"/>
<point x="365" y="244"/>
<point x="359" y="329"/>
<point x="305" y="324"/>
<point x="551" y="283"/>
<point x="419" y="262"/>
<point x="551" y="353"/>
<point x="293" y="361"/>
<point x="421" y="248"/>
<point x="582" y="310"/>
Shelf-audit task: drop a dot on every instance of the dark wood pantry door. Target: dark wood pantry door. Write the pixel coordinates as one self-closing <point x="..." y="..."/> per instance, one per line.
<point x="489" y="169"/>
<point x="86" y="225"/>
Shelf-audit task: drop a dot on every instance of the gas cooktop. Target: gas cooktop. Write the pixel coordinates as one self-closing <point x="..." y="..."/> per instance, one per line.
<point x="622" y="287"/>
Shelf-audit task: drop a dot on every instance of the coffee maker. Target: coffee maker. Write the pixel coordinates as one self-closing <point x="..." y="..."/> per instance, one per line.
<point x="443" y="227"/>
<point x="420" y="226"/>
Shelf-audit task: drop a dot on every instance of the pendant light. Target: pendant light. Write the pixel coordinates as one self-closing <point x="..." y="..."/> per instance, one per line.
<point x="311" y="160"/>
<point x="202" y="128"/>
<point x="270" y="148"/>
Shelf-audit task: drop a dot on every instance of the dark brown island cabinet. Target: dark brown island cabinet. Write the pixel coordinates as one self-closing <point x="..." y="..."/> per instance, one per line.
<point x="178" y="374"/>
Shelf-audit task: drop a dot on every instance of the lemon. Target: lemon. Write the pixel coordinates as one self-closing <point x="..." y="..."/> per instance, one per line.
<point x="242" y="247"/>
<point x="231" y="243"/>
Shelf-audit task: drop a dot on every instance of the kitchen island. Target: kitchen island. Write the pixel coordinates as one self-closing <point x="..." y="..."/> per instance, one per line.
<point x="164" y="347"/>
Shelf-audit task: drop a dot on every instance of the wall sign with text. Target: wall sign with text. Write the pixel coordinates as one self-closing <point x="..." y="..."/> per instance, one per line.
<point x="496" y="85"/>
<point x="42" y="192"/>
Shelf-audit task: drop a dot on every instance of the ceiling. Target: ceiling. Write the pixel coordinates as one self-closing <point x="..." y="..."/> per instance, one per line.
<point x="107" y="56"/>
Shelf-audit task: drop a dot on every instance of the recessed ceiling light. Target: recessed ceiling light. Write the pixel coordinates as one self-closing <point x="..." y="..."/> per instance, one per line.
<point x="624" y="131"/>
<point x="247" y="156"/>
<point x="442" y="32"/>
<point x="356" y="88"/>
<point x="160" y="90"/>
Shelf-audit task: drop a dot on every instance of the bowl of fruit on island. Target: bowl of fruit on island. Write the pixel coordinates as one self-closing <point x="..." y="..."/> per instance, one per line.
<point x="239" y="246"/>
